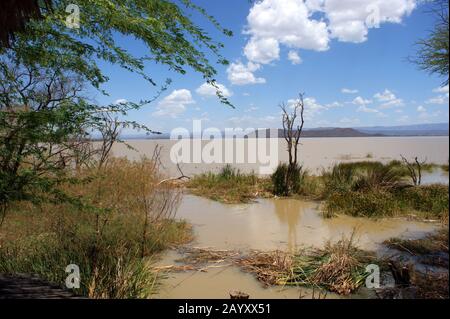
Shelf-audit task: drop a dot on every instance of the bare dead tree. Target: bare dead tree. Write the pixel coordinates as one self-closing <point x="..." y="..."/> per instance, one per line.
<point x="292" y="130"/>
<point x="288" y="177"/>
<point x="156" y="159"/>
<point x="414" y="169"/>
<point x="109" y="130"/>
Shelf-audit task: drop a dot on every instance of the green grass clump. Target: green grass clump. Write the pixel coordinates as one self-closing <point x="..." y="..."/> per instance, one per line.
<point x="430" y="200"/>
<point x="427" y="201"/>
<point x="373" y="189"/>
<point x="288" y="180"/>
<point x="361" y="204"/>
<point x="228" y="186"/>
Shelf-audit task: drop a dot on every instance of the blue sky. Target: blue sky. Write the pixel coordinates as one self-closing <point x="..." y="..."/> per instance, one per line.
<point x="353" y="72"/>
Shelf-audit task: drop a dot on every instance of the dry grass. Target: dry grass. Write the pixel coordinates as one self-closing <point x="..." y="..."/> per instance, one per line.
<point x="430" y="249"/>
<point x="338" y="267"/>
<point x="433" y="243"/>
<point x="431" y="286"/>
<point x="113" y="236"/>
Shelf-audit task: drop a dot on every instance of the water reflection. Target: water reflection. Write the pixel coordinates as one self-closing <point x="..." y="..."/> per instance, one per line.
<point x="285" y="224"/>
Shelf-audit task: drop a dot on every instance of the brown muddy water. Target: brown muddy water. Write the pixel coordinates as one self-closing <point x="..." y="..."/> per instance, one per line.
<point x="268" y="224"/>
<point x="314" y="153"/>
<point x="284" y="224"/>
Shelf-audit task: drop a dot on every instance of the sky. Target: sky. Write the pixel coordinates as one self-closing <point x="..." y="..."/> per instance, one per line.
<point x="348" y="57"/>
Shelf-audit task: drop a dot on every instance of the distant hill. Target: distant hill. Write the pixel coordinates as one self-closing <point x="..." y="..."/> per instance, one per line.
<point x="321" y="132"/>
<point x="438" y="129"/>
<point x="435" y="129"/>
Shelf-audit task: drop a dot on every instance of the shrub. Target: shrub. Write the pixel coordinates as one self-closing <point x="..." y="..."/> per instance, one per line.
<point x="378" y="176"/>
<point x="288" y="179"/>
<point x="340" y="178"/>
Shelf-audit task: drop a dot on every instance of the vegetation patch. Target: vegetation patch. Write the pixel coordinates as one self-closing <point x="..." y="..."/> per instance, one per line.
<point x="229" y="186"/>
<point x="113" y="242"/>
<point x="373" y="189"/>
<point x="338" y="267"/>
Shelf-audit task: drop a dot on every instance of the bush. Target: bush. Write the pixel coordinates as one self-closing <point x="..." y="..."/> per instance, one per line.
<point x="340" y="179"/>
<point x="378" y="176"/>
<point x="288" y="179"/>
<point x="431" y="200"/>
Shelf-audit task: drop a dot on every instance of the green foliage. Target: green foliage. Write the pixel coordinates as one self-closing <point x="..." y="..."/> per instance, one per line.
<point x="433" y="53"/>
<point x="374" y="189"/>
<point x="340" y="178"/>
<point x="163" y="26"/>
<point x="378" y="176"/>
<point x="288" y="179"/>
<point x="430" y="201"/>
<point x="45" y="119"/>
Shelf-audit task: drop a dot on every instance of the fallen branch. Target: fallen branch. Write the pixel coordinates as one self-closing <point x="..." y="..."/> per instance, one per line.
<point x="175" y="178"/>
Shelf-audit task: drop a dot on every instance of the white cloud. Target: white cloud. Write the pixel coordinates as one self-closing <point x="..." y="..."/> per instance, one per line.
<point x="241" y="74"/>
<point x="262" y="50"/>
<point x="420" y="108"/>
<point x="441" y="99"/>
<point x="388" y="99"/>
<point x="366" y="109"/>
<point x="394" y="103"/>
<point x="312" y="107"/>
<point x="271" y="23"/>
<point x="385" y="96"/>
<point x="350" y="20"/>
<point x="311" y="24"/>
<point x="442" y="89"/>
<point x="349" y="91"/>
<point x="174" y="104"/>
<point x="294" y="57"/>
<point x="334" y="104"/>
<point x="361" y="101"/>
<point x="207" y="89"/>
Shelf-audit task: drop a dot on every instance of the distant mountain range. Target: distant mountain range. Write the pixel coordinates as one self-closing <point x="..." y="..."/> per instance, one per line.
<point x="438" y="129"/>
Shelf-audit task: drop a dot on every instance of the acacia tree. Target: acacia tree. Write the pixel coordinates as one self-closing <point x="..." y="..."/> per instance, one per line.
<point x="433" y="53"/>
<point x="163" y="26"/>
<point x="40" y="111"/>
<point x="44" y="70"/>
